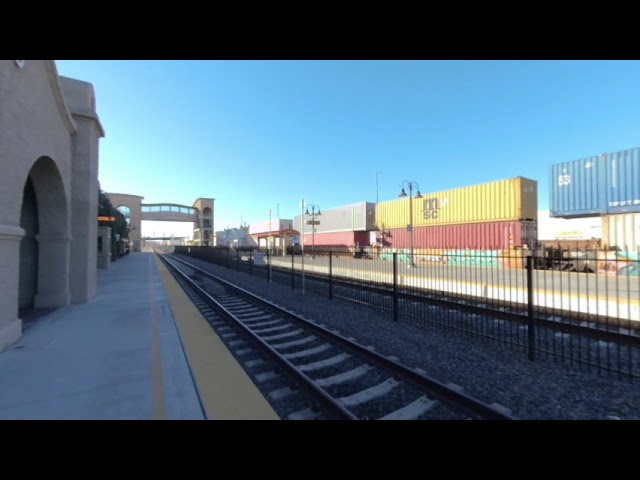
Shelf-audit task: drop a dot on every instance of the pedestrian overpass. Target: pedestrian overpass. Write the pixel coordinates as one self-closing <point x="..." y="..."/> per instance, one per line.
<point x="201" y="214"/>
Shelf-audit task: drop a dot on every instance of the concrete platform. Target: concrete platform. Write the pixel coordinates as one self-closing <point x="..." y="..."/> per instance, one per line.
<point x="139" y="350"/>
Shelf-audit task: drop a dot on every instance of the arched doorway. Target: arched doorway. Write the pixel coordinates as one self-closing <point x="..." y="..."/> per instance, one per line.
<point x="45" y="247"/>
<point x="126" y="212"/>
<point x="28" y="248"/>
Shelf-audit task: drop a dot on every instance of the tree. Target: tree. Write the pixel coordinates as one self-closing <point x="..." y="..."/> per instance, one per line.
<point x="118" y="226"/>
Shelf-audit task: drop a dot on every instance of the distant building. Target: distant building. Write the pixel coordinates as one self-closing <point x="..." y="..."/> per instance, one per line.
<point x="201" y="214"/>
<point x="275" y="234"/>
<point x="234" y="237"/>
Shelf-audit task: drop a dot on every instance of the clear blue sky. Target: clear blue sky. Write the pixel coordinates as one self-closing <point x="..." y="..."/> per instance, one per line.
<point x="260" y="135"/>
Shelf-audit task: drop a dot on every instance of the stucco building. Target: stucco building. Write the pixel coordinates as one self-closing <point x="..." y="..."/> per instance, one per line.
<point x="49" y="143"/>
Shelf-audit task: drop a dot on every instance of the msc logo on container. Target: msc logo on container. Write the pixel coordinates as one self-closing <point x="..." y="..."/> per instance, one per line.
<point x="431" y="207"/>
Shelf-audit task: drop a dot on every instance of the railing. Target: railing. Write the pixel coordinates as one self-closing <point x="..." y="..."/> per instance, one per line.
<point x="538" y="304"/>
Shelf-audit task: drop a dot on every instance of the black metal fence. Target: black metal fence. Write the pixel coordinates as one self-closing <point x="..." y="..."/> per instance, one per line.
<point x="582" y="309"/>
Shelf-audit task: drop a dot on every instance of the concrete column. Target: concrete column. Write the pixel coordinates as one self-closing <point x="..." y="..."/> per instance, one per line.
<point x="104" y="247"/>
<point x="84" y="211"/>
<point x="81" y="101"/>
<point x="10" y="324"/>
<point x="53" y="271"/>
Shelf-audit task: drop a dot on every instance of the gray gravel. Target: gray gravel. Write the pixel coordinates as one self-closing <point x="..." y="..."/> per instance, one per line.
<point x="541" y="390"/>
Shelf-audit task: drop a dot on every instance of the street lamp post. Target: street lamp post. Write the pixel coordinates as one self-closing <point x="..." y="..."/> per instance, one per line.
<point x="410" y="184"/>
<point x="313" y="224"/>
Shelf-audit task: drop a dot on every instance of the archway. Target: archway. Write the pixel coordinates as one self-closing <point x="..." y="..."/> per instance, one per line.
<point x="44" y="249"/>
<point x="28" y="286"/>
<point x="126" y="211"/>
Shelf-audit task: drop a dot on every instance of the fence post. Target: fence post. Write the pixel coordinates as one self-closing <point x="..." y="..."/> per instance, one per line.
<point x="293" y="271"/>
<point x="302" y="264"/>
<point x="238" y="260"/>
<point x="330" y="275"/>
<point x="531" y="323"/>
<point x="395" y="286"/>
<point x="269" y="270"/>
<point x="250" y="262"/>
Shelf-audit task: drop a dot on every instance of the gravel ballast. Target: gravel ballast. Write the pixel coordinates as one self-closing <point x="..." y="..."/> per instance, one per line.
<point x="489" y="371"/>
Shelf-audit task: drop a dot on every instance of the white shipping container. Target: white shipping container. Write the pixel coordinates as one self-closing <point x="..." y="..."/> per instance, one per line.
<point x="357" y="217"/>
<point x="586" y="228"/>
<point x="624" y="231"/>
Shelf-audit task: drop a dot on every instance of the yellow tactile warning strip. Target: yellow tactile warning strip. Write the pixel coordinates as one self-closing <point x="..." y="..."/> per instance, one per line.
<point x="226" y="392"/>
<point x="157" y="391"/>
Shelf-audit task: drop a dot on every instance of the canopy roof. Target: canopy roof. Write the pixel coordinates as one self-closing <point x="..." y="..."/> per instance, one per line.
<point x="275" y="233"/>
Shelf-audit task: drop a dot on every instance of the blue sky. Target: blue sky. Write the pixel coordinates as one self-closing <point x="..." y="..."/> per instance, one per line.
<point x="260" y="135"/>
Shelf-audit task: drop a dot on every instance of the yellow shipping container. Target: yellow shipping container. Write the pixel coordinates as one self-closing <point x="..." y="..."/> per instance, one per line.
<point x="512" y="199"/>
<point x="622" y="230"/>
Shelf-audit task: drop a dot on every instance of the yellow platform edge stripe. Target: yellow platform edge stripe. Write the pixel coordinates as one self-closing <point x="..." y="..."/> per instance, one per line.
<point x="226" y="391"/>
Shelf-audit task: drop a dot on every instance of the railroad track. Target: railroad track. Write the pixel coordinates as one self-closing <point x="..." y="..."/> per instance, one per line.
<point x="364" y="292"/>
<point x="309" y="372"/>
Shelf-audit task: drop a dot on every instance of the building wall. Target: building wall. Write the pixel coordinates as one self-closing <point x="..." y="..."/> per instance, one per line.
<point x="81" y="101"/>
<point x="134" y="203"/>
<point x="266" y="226"/>
<point x="41" y="139"/>
<point x="205" y="221"/>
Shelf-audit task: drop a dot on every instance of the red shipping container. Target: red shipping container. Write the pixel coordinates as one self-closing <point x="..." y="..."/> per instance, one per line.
<point x="340" y="240"/>
<point x="477" y="236"/>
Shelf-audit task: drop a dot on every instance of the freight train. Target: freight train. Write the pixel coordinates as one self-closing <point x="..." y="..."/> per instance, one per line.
<point x="492" y="217"/>
<point x="495" y="219"/>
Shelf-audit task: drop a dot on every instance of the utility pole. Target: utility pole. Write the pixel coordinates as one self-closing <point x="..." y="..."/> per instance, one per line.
<point x="302" y="240"/>
<point x="269" y="239"/>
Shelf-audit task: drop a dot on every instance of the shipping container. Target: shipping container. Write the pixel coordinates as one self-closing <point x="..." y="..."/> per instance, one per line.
<point x="623" y="182"/>
<point x="350" y="218"/>
<point x="336" y="240"/>
<point x="266" y="226"/>
<point x="579" y="228"/>
<point x="577" y="188"/>
<point x="622" y="231"/>
<point x="504" y="200"/>
<point x="478" y="236"/>
<point x="606" y="184"/>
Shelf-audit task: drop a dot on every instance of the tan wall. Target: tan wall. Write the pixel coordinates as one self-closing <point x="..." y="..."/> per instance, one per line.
<point x="40" y="137"/>
<point x="81" y="101"/>
<point x="134" y="202"/>
<point x="203" y="204"/>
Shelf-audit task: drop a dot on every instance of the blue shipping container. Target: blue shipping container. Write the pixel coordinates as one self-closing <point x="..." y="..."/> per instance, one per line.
<point x="577" y="188"/>
<point x="623" y="182"/>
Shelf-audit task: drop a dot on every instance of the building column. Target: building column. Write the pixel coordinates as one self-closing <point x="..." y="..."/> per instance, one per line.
<point x="10" y="324"/>
<point x="83" y="200"/>
<point x="53" y="271"/>
<point x="104" y="247"/>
